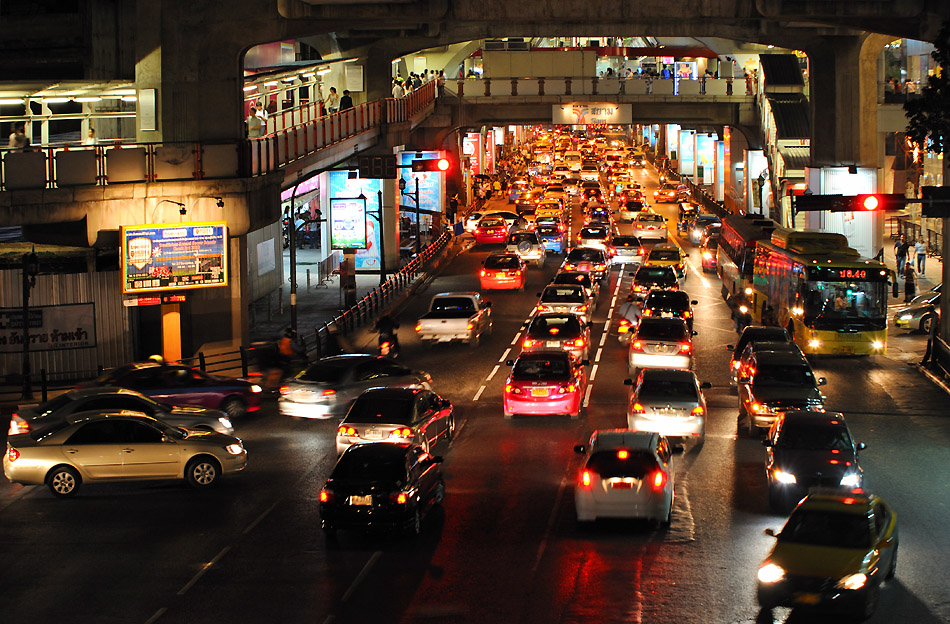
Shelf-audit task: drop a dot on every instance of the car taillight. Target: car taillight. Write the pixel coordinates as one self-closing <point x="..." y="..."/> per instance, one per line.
<point x="641" y="251"/>
<point x="470" y="326"/>
<point x="685" y="347"/>
<point x="758" y="408"/>
<point x="419" y="327"/>
<point x="18" y="426"/>
<point x="326" y="495"/>
<point x="639" y="288"/>
<point x="13" y="455"/>
<point x="569" y="266"/>
<point x="687" y="314"/>
<point x="565" y="389"/>
<point x="483" y="273"/>
<point x="581" y="309"/>
<point x="636" y="345"/>
<point x="647" y="312"/>
<point x="329" y="392"/>
<point x="658" y="481"/>
<point x="344" y="431"/>
<point x="585" y="479"/>
<point x="579" y="342"/>
<point x="624" y="323"/>
<point x="530" y="343"/>
<point x="707" y="255"/>
<point x="401" y="432"/>
<point x="600" y="267"/>
<point x="698" y="411"/>
<point x="612" y="251"/>
<point x="679" y="266"/>
<point x="544" y="308"/>
<point x="516" y="273"/>
<point x="512" y="389"/>
<point x="637" y="408"/>
<point x="399" y="498"/>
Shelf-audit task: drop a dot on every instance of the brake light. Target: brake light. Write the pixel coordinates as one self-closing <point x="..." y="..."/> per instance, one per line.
<point x="579" y="342"/>
<point x="13" y="455"/>
<point x="545" y="308"/>
<point x="637" y="408"/>
<point x="658" y="481"/>
<point x="470" y="326"/>
<point x="326" y="495"/>
<point x="679" y="266"/>
<point x="483" y="273"/>
<point x="641" y="251"/>
<point x="581" y="309"/>
<point x="698" y="411"/>
<point x="758" y="408"/>
<point x="399" y="498"/>
<point x="687" y="314"/>
<point x="530" y="343"/>
<point x="600" y="267"/>
<point x="585" y="479"/>
<point x="636" y="345"/>
<point x="401" y="432"/>
<point x="612" y="251"/>
<point x="647" y="312"/>
<point x="344" y="431"/>
<point x="639" y="288"/>
<point x="565" y="389"/>
<point x="624" y="323"/>
<point x="512" y="389"/>
<point x="685" y="347"/>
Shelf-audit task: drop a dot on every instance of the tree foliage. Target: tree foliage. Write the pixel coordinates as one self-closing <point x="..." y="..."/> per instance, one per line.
<point x="929" y="115"/>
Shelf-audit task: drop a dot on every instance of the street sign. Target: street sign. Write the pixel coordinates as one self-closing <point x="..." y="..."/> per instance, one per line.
<point x="936" y="201"/>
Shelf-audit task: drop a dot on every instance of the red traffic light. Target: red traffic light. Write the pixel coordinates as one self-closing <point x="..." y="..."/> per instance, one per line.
<point x="870" y="202"/>
<point x="878" y="201"/>
<point x="431" y="164"/>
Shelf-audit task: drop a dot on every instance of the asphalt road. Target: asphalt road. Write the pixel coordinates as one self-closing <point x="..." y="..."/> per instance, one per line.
<point x="505" y="547"/>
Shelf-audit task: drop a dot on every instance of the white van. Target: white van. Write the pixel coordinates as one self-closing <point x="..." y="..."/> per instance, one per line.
<point x="573" y="160"/>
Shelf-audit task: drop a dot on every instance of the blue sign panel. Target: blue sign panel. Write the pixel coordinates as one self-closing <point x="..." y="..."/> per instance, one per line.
<point x="174" y="257"/>
<point x="342" y="187"/>
<point x="430" y="182"/>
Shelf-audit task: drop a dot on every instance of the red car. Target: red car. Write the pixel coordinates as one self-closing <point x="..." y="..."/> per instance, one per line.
<point x="708" y="250"/>
<point x="545" y="382"/>
<point x="503" y="270"/>
<point x="491" y="230"/>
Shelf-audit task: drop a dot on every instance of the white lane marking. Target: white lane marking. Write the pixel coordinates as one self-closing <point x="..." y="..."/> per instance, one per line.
<point x="479" y="393"/>
<point x="504" y="356"/>
<point x="587" y="395"/>
<point x="515" y="339"/>
<point x="599" y="351"/>
<point x="603" y="338"/>
<point x="204" y="568"/>
<point x="157" y="615"/>
<point x="493" y="371"/>
<point x="613" y="302"/>
<point x="699" y="273"/>
<point x="547" y="531"/>
<point x="359" y="577"/>
<point x="593" y="375"/>
<point x="251" y="526"/>
<point x="607" y="325"/>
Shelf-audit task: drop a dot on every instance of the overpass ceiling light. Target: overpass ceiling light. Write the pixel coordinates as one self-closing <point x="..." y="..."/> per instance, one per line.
<point x="270" y="83"/>
<point x="87" y="98"/>
<point x="55" y="100"/>
<point x="11" y="101"/>
<point x="130" y="98"/>
<point x="289" y="79"/>
<point x="323" y="71"/>
<point x="250" y="87"/>
<point x="308" y="74"/>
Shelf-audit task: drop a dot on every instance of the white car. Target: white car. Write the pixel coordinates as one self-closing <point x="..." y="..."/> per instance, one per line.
<point x="660" y="343"/>
<point x="526" y="244"/>
<point x="626" y="474"/>
<point x="669" y="402"/>
<point x="471" y="221"/>
<point x="649" y="225"/>
<point x="589" y="172"/>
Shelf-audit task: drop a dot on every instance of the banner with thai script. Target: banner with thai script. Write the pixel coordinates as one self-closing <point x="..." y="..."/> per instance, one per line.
<point x="51" y="328"/>
<point x="173" y="257"/>
<point x="580" y="114"/>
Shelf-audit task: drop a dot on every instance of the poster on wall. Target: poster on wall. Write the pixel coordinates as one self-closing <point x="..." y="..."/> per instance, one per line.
<point x="705" y="157"/>
<point x="470" y="149"/>
<point x="174" y="257"/>
<point x="672" y="139"/>
<point x="51" y="328"/>
<point x="583" y="113"/>
<point x="685" y="153"/>
<point x="347" y="223"/>
<point x="489" y="154"/>
<point x="431" y="183"/>
<point x="340" y="185"/>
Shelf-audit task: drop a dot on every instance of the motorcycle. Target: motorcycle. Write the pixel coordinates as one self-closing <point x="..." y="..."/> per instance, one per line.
<point x="389" y="344"/>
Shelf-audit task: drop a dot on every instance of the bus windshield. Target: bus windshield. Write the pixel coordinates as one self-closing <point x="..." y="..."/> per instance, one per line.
<point x="856" y="306"/>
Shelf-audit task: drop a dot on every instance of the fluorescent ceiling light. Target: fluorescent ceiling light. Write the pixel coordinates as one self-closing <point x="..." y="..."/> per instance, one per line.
<point x="270" y="83"/>
<point x="129" y="98"/>
<point x="55" y="100"/>
<point x="11" y="101"/>
<point x="87" y="99"/>
<point x="250" y="87"/>
<point x="323" y="71"/>
<point x="308" y="74"/>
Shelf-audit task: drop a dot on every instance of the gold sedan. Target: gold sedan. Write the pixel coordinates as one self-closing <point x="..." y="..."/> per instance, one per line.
<point x="96" y="447"/>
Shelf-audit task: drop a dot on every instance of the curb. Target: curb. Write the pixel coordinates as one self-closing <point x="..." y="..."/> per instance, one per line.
<point x="939" y="381"/>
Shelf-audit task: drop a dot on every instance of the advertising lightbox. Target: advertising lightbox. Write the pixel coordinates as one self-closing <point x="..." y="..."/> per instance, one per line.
<point x="340" y="185"/>
<point x="347" y="223"/>
<point x="174" y="257"/>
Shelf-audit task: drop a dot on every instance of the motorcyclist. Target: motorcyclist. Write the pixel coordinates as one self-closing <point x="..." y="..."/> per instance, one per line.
<point x="289" y="349"/>
<point x="387" y="326"/>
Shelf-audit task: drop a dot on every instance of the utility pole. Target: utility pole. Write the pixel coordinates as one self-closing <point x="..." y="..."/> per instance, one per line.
<point x="415" y="197"/>
<point x="31" y="266"/>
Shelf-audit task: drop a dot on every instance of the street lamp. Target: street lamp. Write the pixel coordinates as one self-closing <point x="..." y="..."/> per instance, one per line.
<point x="31" y="266"/>
<point x="415" y="197"/>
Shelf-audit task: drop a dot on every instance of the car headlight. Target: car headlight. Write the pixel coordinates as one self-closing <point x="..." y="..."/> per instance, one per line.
<point x="770" y="573"/>
<point x="853" y="581"/>
<point x="852" y="480"/>
<point x="255" y="389"/>
<point x="234" y="449"/>
<point x="785" y="477"/>
<point x="906" y="317"/>
<point x="225" y="423"/>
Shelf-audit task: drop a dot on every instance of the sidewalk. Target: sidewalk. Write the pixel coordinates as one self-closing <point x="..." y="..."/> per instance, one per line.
<point x="932" y="275"/>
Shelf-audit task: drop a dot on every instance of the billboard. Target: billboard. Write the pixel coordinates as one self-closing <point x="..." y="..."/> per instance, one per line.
<point x="51" y="328"/>
<point x="174" y="257"/>
<point x="582" y="113"/>
<point x="347" y="223"/>
<point x="430" y="182"/>
<point x="341" y="186"/>
<point x="705" y="156"/>
<point x="685" y="154"/>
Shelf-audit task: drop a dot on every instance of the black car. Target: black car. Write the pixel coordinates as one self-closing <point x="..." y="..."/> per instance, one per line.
<point x="381" y="486"/>
<point x="579" y="277"/>
<point x="697" y="227"/>
<point x="669" y="303"/>
<point x="808" y="450"/>
<point x="754" y="334"/>
<point x="648" y="278"/>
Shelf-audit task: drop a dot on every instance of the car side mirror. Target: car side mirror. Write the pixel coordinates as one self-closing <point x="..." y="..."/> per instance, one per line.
<point x="438" y="459"/>
<point x="730" y="348"/>
<point x="767" y="443"/>
<point x="628" y="382"/>
<point x="509" y="362"/>
<point x="861" y="446"/>
<point x="705" y="385"/>
<point x="580" y="448"/>
<point x="693" y="333"/>
<point x="770" y="532"/>
<point x="822" y="381"/>
<point x="694" y="302"/>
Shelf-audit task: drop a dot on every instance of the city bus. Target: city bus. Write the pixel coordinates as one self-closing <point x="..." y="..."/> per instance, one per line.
<point x="829" y="298"/>
<point x="736" y="253"/>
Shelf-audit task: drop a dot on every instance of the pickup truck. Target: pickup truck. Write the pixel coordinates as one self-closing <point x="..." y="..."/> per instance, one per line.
<point x="456" y="316"/>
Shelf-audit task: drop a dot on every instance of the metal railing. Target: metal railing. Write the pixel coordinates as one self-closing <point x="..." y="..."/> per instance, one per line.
<point x="705" y="88"/>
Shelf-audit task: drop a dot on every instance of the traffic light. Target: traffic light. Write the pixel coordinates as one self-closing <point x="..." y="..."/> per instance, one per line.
<point x="867" y="202"/>
<point x="431" y="164"/>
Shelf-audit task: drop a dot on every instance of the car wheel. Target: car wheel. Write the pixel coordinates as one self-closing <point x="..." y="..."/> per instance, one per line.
<point x="473" y="341"/>
<point x="233" y="407"/>
<point x="870" y="603"/>
<point x="202" y="472"/>
<point x="439" y="496"/>
<point x="892" y="571"/>
<point x="926" y="322"/>
<point x="415" y="525"/>
<point x="63" y="481"/>
<point x="509" y="415"/>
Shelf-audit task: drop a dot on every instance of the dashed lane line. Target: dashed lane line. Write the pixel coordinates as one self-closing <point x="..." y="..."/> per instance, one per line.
<point x="363" y="574"/>
<point x="493" y="371"/>
<point x="599" y="351"/>
<point x="603" y="338"/>
<point x="204" y="568"/>
<point x="590" y="387"/>
<point x="479" y="393"/>
<point x="504" y="356"/>
<point x="515" y="339"/>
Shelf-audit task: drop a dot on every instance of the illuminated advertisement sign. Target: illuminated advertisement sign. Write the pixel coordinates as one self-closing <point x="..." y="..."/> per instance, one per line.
<point x="347" y="223"/>
<point x="341" y="186"/>
<point x="431" y="183"/>
<point x="705" y="157"/>
<point x="470" y="149"/>
<point x="580" y="114"/>
<point x="174" y="257"/>
<point x="672" y="138"/>
<point x="685" y="153"/>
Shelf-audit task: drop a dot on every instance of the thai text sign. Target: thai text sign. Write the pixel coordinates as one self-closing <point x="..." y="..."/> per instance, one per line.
<point x="347" y="223"/>
<point x="51" y="328"/>
<point x="173" y="257"/>
<point x="592" y="113"/>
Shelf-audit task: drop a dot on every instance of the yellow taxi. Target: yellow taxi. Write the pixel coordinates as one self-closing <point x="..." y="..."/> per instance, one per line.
<point x="833" y="553"/>
<point x="549" y="208"/>
<point x="668" y="254"/>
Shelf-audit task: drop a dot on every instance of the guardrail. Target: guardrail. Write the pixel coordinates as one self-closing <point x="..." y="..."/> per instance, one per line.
<point x="587" y="85"/>
<point x="316" y="342"/>
<point x="115" y="162"/>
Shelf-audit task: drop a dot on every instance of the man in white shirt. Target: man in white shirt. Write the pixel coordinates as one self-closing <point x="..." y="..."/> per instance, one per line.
<point x="254" y="124"/>
<point x="398" y="91"/>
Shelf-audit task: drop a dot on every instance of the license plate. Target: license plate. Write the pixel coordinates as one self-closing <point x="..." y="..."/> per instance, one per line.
<point x="539" y="392"/>
<point x="621" y="485"/>
<point x="807" y="598"/>
<point x="554" y="344"/>
<point x="844" y="349"/>
<point x="361" y="500"/>
<point x="372" y="435"/>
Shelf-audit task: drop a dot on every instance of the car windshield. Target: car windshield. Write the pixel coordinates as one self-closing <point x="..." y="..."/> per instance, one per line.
<point x="815" y="437"/>
<point x="490" y="222"/>
<point x="857" y="306"/>
<point x="827" y="528"/>
<point x="667" y="390"/>
<point x="795" y="375"/>
<point x="502" y="262"/>
<point x="665" y="255"/>
<point x="626" y="241"/>
<point x="667" y="300"/>
<point x="593" y="232"/>
<point x="453" y="304"/>
<point x="329" y="371"/>
<point x="547" y="230"/>
<point x="371" y="409"/>
<point x="365" y="464"/>
<point x="555" y="326"/>
<point x="580" y="254"/>
<point x="662" y="330"/>
<point x="655" y="274"/>
<point x="541" y="369"/>
<point x="563" y="294"/>
<point x="522" y="237"/>
<point x="608" y="464"/>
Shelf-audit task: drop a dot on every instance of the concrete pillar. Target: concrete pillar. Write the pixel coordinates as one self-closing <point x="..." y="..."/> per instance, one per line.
<point x="377" y="74"/>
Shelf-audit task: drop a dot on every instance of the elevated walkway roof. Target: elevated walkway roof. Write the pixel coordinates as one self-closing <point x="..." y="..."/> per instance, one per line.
<point x="791" y="114"/>
<point x="781" y="70"/>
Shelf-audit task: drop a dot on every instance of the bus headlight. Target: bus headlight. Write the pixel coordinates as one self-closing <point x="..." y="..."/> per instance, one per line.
<point x="877" y="344"/>
<point x="814" y="343"/>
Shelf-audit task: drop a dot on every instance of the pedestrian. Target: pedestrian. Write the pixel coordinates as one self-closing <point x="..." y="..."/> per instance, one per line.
<point x="398" y="91"/>
<point x="90" y="138"/>
<point x="416" y="81"/>
<point x="346" y="101"/>
<point x="18" y="139"/>
<point x="254" y="124"/>
<point x="440" y="83"/>
<point x="910" y="282"/>
<point x="931" y="335"/>
<point x="921" y="248"/>
<point x="332" y="102"/>
<point x="900" y="253"/>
